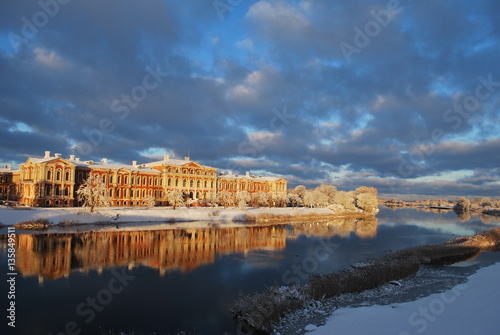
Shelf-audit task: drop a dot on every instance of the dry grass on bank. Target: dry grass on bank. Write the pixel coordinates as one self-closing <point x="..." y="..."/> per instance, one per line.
<point x="271" y="217"/>
<point x="33" y="224"/>
<point x="260" y="311"/>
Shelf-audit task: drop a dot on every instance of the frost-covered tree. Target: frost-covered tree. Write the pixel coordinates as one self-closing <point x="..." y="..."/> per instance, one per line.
<point x="329" y="191"/>
<point x="346" y="199"/>
<point x="366" y="199"/>
<point x="279" y="199"/>
<point x="242" y="199"/>
<point x="212" y="199"/>
<point x="295" y="200"/>
<point x="93" y="192"/>
<point x="486" y="202"/>
<point x="367" y="202"/>
<point x="225" y="198"/>
<point x="300" y="191"/>
<point x="462" y="206"/>
<point x="149" y="201"/>
<point x="315" y="198"/>
<point x="175" y="198"/>
<point x="260" y="198"/>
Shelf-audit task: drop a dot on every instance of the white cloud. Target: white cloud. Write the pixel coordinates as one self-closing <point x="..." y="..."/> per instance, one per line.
<point x="49" y="58"/>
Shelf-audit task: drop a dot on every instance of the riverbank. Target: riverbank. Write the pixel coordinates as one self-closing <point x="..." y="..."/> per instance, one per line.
<point x="125" y="215"/>
<point x="467" y="308"/>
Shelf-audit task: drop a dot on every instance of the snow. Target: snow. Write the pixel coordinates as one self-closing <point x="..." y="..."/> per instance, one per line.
<point x="10" y="216"/>
<point x="469" y="308"/>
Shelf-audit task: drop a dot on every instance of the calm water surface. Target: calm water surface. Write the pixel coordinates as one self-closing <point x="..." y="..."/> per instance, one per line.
<point x="185" y="279"/>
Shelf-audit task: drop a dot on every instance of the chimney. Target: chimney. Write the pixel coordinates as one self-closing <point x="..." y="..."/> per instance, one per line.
<point x="247" y="174"/>
<point x="47" y="154"/>
<point x="57" y="155"/>
<point x="134" y="163"/>
<point x="71" y="157"/>
<point x="8" y="166"/>
<point x="186" y="159"/>
<point x="166" y="157"/>
<point x="229" y="172"/>
<point x="105" y="161"/>
<point x="77" y="159"/>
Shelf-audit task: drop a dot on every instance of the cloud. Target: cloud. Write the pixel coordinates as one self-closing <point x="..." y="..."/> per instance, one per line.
<point x="229" y="83"/>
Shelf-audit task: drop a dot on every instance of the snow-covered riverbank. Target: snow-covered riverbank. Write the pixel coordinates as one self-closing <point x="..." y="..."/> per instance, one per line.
<point x="11" y="216"/>
<point x="468" y="308"/>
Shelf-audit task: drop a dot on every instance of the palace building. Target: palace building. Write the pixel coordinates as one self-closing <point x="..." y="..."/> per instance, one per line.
<point x="52" y="181"/>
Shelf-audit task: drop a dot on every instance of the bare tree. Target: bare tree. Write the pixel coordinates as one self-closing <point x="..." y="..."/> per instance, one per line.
<point x="93" y="192"/>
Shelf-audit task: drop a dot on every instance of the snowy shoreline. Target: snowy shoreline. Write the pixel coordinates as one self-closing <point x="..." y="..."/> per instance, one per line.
<point x="122" y="215"/>
<point x="467" y="308"/>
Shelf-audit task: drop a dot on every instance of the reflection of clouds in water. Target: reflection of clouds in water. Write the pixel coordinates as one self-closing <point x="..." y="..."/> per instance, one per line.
<point x="444" y="222"/>
<point x="362" y="228"/>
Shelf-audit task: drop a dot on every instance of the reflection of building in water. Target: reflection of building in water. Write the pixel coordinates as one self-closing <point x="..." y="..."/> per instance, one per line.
<point x="363" y="228"/>
<point x="56" y="255"/>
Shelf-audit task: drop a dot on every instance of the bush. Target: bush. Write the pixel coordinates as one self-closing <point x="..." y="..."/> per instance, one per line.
<point x="34" y="224"/>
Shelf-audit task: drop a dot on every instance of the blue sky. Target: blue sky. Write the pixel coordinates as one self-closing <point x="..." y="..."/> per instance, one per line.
<point x="399" y="95"/>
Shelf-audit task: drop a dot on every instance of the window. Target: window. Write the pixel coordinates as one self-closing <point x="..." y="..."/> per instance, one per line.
<point x="198" y="184"/>
<point x="191" y="183"/>
<point x="48" y="191"/>
<point x="58" y="190"/>
<point x="58" y="175"/>
<point x="184" y="183"/>
<point x="66" y="176"/>
<point x="49" y="175"/>
<point x="66" y="191"/>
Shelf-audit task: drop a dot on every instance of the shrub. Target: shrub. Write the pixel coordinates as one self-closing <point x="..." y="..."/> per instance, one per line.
<point x="34" y="224"/>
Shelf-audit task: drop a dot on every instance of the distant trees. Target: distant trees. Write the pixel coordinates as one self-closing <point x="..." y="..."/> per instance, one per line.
<point x="463" y="206"/>
<point x="363" y="199"/>
<point x="93" y="192"/>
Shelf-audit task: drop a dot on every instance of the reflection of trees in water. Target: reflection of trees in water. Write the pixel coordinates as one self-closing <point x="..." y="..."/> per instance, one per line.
<point x="363" y="228"/>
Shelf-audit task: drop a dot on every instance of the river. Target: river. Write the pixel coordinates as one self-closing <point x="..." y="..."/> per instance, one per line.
<point x="169" y="280"/>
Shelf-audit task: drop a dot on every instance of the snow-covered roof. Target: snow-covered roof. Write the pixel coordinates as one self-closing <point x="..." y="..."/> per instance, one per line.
<point x="249" y="177"/>
<point x="112" y="166"/>
<point x="176" y="162"/>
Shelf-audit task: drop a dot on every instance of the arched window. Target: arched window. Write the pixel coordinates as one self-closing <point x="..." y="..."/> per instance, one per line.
<point x="49" y="174"/>
<point x="191" y="183"/>
<point x="66" y="176"/>
<point x="48" y="191"/>
<point x="177" y="182"/>
<point x="205" y="184"/>
<point x="198" y="184"/>
<point x="57" y="190"/>
<point x="66" y="191"/>
<point x="58" y="175"/>
<point x="184" y="183"/>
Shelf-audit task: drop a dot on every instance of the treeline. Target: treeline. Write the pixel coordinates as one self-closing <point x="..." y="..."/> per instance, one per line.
<point x="483" y="203"/>
<point x="363" y="199"/>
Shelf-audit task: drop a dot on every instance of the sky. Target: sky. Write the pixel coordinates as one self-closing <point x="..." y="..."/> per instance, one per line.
<point x="399" y="95"/>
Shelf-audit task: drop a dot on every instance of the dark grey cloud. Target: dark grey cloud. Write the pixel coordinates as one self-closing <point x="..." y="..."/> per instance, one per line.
<point x="219" y="82"/>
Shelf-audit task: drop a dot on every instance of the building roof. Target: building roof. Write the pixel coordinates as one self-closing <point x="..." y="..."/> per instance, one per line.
<point x="248" y="176"/>
<point x="176" y="162"/>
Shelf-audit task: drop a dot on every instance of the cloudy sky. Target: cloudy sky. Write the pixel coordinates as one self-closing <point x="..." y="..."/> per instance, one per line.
<point x="399" y="95"/>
